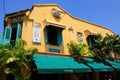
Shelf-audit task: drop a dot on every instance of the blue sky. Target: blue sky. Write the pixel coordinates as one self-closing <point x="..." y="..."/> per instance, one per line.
<point x="105" y="13"/>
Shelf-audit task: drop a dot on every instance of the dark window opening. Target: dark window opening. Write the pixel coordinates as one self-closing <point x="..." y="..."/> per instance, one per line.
<point x="14" y="33"/>
<point x="13" y="36"/>
<point x="90" y="40"/>
<point x="53" y="35"/>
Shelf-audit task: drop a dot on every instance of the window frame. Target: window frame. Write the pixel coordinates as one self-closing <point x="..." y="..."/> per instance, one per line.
<point x="79" y="38"/>
<point x="58" y="33"/>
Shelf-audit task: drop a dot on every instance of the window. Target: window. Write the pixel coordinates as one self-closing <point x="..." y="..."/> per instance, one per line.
<point x="16" y="32"/>
<point x="79" y="37"/>
<point x="90" y="41"/>
<point x="53" y="35"/>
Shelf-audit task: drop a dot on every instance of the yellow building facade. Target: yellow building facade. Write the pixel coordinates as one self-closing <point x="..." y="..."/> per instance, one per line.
<point x="49" y="28"/>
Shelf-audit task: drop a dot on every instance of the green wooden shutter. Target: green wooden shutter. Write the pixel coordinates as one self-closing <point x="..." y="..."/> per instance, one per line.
<point x="19" y="31"/>
<point x="46" y="35"/>
<point x="7" y="35"/>
<point x="59" y="35"/>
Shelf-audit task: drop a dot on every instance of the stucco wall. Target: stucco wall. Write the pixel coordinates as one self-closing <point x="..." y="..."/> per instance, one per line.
<point x="39" y="13"/>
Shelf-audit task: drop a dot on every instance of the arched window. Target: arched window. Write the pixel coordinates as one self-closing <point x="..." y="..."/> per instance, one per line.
<point x="90" y="41"/>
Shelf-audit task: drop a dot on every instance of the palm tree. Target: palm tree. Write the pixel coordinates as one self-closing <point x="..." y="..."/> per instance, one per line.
<point x="97" y="46"/>
<point x="18" y="60"/>
<point x="113" y="43"/>
<point x="102" y="47"/>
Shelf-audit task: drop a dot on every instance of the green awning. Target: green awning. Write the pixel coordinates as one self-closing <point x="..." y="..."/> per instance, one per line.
<point x="98" y="66"/>
<point x="115" y="64"/>
<point x="57" y="64"/>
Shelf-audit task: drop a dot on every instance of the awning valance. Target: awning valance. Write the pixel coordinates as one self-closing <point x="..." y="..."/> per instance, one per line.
<point x="98" y="66"/>
<point x="53" y="23"/>
<point x="57" y="64"/>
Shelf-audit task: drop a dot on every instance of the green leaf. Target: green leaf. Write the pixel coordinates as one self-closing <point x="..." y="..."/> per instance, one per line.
<point x="20" y="43"/>
<point x="11" y="59"/>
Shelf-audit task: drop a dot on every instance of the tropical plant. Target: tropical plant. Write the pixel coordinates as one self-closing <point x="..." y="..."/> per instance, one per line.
<point x="112" y="42"/>
<point x="97" y="46"/>
<point x="5" y="53"/>
<point x="102" y="47"/>
<point x="17" y="60"/>
<point x="77" y="50"/>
